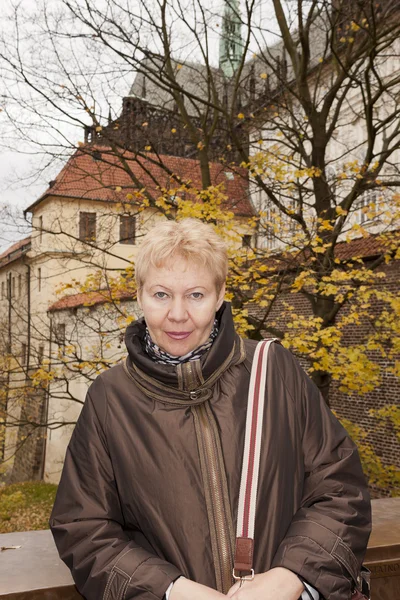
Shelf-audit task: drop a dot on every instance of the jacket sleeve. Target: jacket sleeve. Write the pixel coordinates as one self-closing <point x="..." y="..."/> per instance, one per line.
<point x="327" y="538"/>
<point x="87" y="521"/>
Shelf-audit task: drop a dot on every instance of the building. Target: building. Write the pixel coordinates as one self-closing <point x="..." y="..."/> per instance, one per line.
<point x="92" y="216"/>
<point x="85" y="231"/>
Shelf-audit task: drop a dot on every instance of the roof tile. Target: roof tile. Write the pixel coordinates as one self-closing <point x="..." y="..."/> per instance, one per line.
<point x="89" y="299"/>
<point x="96" y="172"/>
<point x="7" y="257"/>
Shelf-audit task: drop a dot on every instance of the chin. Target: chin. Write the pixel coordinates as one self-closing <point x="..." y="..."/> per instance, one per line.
<point x="178" y="351"/>
<point x="177" y="348"/>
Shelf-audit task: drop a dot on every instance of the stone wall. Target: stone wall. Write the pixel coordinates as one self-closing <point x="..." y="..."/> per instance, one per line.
<point x="28" y="461"/>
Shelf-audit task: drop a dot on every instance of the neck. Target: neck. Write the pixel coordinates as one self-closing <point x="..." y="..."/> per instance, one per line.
<point x="161" y="356"/>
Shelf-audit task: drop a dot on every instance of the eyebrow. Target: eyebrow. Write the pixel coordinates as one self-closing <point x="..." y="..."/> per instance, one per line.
<point x="196" y="287"/>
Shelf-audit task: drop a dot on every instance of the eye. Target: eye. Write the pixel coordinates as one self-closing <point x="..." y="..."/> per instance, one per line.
<point x="160" y="295"/>
<point x="197" y="295"/>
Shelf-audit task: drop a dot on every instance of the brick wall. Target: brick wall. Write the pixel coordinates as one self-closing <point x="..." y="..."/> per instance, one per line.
<point x="356" y="407"/>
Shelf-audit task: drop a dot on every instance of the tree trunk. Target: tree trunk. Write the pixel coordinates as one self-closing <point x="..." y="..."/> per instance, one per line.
<point x="323" y="381"/>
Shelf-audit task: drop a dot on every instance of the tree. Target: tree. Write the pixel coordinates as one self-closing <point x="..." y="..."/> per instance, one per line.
<point x="305" y="108"/>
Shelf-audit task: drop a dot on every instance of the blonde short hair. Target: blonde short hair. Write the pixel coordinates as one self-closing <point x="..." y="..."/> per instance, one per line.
<point x="190" y="239"/>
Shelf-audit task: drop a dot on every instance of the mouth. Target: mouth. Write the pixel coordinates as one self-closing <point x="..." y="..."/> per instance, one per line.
<point x="178" y="335"/>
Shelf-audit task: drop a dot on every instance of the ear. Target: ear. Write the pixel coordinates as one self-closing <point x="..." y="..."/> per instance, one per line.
<point x="221" y="297"/>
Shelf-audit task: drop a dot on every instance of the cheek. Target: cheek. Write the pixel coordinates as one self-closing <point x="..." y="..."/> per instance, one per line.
<point x="205" y="317"/>
<point x="154" y="313"/>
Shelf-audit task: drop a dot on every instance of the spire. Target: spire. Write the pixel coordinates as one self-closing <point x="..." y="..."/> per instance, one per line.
<point x="230" y="43"/>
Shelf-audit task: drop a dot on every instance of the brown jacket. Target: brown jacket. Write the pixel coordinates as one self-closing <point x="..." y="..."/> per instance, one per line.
<point x="150" y="484"/>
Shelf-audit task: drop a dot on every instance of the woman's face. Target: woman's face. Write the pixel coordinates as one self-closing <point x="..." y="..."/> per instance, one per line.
<point x="179" y="302"/>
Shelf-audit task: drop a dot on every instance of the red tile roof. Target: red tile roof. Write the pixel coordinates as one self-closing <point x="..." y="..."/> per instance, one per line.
<point x="371" y="246"/>
<point x="15" y="251"/>
<point x="89" y="299"/>
<point x="366" y="247"/>
<point x="85" y="176"/>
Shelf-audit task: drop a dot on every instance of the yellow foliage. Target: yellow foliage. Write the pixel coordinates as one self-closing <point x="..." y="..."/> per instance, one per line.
<point x="379" y="474"/>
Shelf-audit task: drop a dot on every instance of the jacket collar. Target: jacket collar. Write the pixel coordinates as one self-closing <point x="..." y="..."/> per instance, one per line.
<point x="190" y="382"/>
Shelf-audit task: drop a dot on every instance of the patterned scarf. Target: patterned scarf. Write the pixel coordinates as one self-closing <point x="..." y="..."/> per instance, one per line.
<point x="162" y="357"/>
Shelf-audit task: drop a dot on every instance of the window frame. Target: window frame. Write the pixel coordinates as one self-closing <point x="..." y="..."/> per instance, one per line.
<point x="24" y="354"/>
<point x="87" y="232"/>
<point x="128" y="222"/>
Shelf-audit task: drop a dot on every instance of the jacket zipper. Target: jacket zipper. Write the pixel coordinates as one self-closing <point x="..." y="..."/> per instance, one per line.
<point x="221" y="520"/>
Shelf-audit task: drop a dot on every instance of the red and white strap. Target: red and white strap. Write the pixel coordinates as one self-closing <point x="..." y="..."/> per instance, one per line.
<point x="243" y="565"/>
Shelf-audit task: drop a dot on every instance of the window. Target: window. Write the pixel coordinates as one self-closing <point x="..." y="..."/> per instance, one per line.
<point x="3" y="290"/>
<point x="39" y="279"/>
<point x="269" y="228"/>
<point x="292" y="210"/>
<point x="19" y="286"/>
<point x="246" y="241"/>
<point x="40" y="355"/>
<point x="23" y="354"/>
<point x="59" y="335"/>
<point x="127" y="229"/>
<point x="13" y="287"/>
<point x="87" y="226"/>
<point x="361" y="205"/>
<point x="40" y="229"/>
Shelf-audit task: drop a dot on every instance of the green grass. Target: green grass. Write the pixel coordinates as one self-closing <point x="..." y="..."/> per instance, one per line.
<point x="26" y="506"/>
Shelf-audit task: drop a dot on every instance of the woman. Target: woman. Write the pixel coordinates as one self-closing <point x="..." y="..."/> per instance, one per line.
<point x="147" y="503"/>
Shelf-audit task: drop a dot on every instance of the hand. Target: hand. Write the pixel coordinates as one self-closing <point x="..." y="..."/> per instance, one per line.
<point x="185" y="589"/>
<point x="276" y="583"/>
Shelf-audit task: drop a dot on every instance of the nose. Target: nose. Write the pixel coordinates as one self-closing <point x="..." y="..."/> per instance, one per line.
<point x="177" y="310"/>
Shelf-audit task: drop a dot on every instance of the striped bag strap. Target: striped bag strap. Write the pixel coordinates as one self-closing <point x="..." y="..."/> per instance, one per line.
<point x="243" y="561"/>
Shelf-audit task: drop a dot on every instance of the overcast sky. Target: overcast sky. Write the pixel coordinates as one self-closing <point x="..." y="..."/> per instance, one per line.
<point x="15" y="193"/>
<point x="17" y="188"/>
